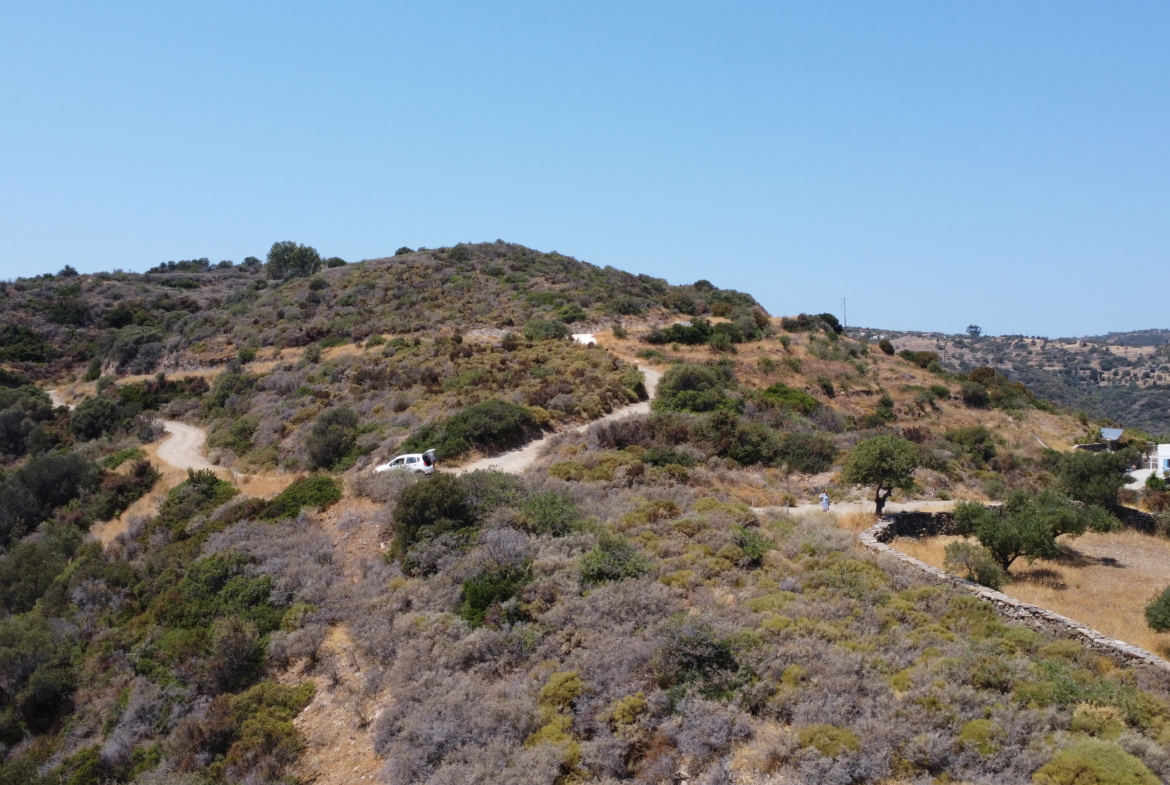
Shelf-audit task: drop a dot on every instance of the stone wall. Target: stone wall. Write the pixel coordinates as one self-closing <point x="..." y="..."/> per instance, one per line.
<point x="920" y="524"/>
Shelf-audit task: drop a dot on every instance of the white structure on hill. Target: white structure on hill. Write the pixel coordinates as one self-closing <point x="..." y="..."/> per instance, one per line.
<point x="1160" y="461"/>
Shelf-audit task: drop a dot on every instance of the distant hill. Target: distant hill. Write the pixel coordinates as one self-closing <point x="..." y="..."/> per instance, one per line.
<point x="1121" y="377"/>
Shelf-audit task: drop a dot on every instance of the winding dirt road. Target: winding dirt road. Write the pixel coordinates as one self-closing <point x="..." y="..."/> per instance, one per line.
<point x="182" y="449"/>
<point x="516" y="461"/>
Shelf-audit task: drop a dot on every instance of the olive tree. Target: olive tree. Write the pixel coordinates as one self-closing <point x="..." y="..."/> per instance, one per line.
<point x="1028" y="524"/>
<point x="884" y="462"/>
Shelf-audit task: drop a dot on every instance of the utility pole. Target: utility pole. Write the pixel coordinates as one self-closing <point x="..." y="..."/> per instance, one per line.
<point x="844" y="313"/>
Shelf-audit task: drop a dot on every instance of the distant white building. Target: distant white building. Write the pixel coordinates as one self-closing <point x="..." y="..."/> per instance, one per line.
<point x="1160" y="461"/>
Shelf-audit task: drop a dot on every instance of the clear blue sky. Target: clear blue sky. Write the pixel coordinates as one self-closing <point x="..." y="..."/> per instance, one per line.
<point x="935" y="163"/>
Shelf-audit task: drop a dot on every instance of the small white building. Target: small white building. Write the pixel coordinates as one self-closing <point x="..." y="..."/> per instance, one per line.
<point x="1160" y="461"/>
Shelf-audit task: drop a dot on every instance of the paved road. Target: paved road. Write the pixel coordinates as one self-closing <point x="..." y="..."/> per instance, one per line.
<point x="516" y="461"/>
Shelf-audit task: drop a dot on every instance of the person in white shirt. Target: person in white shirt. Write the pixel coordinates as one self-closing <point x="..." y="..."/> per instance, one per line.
<point x="824" y="501"/>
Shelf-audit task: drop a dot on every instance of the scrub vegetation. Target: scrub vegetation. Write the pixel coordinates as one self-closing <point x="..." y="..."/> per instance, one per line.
<point x="639" y="605"/>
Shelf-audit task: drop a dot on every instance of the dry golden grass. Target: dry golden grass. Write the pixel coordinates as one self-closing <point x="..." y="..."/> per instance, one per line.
<point x="856" y="521"/>
<point x="1104" y="581"/>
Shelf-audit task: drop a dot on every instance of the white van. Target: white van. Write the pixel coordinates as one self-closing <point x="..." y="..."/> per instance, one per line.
<point x="419" y="463"/>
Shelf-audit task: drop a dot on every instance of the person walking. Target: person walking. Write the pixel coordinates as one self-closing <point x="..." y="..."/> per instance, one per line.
<point x="824" y="501"/>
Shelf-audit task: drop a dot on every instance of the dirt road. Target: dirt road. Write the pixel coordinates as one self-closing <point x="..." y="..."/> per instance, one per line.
<point x="183" y="449"/>
<point x="516" y="461"/>
<point x="865" y="506"/>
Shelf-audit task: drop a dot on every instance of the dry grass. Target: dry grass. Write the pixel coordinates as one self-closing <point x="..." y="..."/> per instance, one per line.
<point x="1104" y="581"/>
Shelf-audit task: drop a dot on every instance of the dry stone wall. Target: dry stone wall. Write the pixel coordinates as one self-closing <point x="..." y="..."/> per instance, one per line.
<point x="920" y="524"/>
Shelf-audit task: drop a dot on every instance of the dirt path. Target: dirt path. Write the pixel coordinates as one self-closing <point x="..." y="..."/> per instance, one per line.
<point x="848" y="508"/>
<point x="516" y="461"/>
<point x="181" y="450"/>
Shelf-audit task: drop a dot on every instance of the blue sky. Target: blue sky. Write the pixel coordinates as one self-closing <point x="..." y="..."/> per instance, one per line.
<point x="936" y="164"/>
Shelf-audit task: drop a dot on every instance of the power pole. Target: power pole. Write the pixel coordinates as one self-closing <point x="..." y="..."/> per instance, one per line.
<point x="844" y="313"/>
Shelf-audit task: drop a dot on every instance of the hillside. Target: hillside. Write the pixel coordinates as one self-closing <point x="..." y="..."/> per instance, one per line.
<point x="650" y="601"/>
<point x="1123" y="378"/>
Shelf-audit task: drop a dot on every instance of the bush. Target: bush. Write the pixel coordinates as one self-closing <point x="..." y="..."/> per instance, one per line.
<point x="1094" y="762"/>
<point x="614" y="559"/>
<point x="483" y="597"/>
<point x="571" y="313"/>
<point x="317" y="491"/>
<point x="332" y="437"/>
<point x="549" y="513"/>
<point x="488" y="490"/>
<point x="289" y="260"/>
<point x="492" y="426"/>
<point x="828" y="740"/>
<point x="886" y="347"/>
<point x="1158" y="612"/>
<point x="694" y="388"/>
<point x="335" y="261"/>
<point x="44" y="483"/>
<point x="96" y="417"/>
<point x="975" y="395"/>
<point x="753" y="544"/>
<point x="1092" y="478"/>
<point x="921" y="359"/>
<point x="428" y="509"/>
<point x="808" y="453"/>
<point x="975" y="563"/>
<point x="785" y="397"/>
<point x="545" y="330"/>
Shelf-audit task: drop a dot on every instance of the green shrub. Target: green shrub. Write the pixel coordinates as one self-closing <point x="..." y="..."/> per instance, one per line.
<point x="571" y="313"/>
<point x="753" y="544"/>
<point x="940" y="391"/>
<point x="429" y="508"/>
<point x="666" y="456"/>
<point x="1094" y="762"/>
<point x="488" y="489"/>
<point x="620" y="332"/>
<point x="695" y="388"/>
<point x="785" y="397"/>
<point x="549" y="513"/>
<point x="828" y="740"/>
<point x="975" y="563"/>
<point x="806" y="452"/>
<point x="886" y="347"/>
<point x="246" y="354"/>
<point x="492" y="425"/>
<point x="1158" y="612"/>
<point x="332" y="437"/>
<point x="22" y="344"/>
<point x="699" y="331"/>
<point x="975" y="395"/>
<point x="289" y="260"/>
<point x="921" y="359"/>
<point x="96" y="417"/>
<point x="316" y="491"/>
<point x="483" y="596"/>
<point x="545" y="330"/>
<point x="614" y="559"/>
<point x="826" y="385"/>
<point x="980" y="736"/>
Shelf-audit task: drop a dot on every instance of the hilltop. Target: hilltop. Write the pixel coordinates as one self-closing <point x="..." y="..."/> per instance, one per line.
<point x="649" y="600"/>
